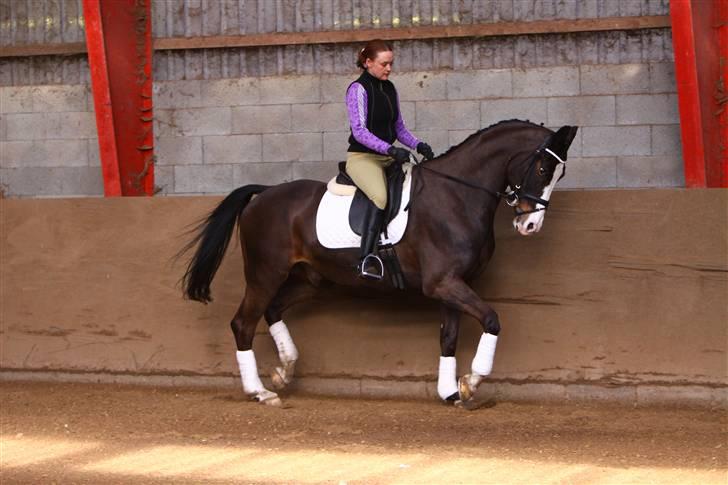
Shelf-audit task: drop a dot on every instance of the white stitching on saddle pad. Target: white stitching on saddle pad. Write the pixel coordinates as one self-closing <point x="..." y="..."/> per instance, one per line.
<point x="332" y="219"/>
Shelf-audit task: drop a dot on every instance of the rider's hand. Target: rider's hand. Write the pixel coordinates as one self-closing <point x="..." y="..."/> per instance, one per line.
<point x="425" y="150"/>
<point x="399" y="154"/>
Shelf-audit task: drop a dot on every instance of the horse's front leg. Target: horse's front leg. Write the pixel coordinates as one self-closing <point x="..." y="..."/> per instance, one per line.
<point x="456" y="294"/>
<point x="447" y="384"/>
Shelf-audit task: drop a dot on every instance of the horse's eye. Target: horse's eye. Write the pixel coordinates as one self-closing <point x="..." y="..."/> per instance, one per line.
<point x="541" y="171"/>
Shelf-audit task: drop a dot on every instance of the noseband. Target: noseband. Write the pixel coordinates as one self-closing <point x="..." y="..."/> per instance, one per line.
<point x="513" y="196"/>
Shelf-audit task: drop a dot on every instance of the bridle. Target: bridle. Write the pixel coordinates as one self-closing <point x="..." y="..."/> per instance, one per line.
<point x="513" y="196"/>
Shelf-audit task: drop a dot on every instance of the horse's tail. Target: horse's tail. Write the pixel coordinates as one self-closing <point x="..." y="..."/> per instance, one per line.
<point x="212" y="239"/>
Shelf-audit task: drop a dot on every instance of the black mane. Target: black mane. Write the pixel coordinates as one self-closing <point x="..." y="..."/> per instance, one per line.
<point x="483" y="130"/>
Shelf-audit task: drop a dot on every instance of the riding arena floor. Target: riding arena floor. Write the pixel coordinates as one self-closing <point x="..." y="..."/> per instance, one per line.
<point x="94" y="433"/>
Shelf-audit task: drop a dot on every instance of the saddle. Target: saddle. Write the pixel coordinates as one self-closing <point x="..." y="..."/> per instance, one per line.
<point x="395" y="180"/>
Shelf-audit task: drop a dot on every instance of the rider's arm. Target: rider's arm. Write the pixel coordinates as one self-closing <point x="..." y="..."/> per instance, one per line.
<point x="356" y="104"/>
<point x="403" y="134"/>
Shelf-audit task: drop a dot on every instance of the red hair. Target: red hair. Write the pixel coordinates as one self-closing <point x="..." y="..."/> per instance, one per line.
<point x="370" y="51"/>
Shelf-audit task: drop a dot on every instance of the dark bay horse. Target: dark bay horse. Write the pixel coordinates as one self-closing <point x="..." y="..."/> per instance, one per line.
<point x="448" y="241"/>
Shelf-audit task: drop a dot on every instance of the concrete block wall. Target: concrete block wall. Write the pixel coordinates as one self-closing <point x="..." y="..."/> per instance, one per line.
<point x="271" y="129"/>
<point x="215" y="135"/>
<point x="48" y="144"/>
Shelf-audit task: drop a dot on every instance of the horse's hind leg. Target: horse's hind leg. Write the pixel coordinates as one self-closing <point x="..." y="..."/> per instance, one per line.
<point x="257" y="298"/>
<point x="447" y="385"/>
<point x="296" y="289"/>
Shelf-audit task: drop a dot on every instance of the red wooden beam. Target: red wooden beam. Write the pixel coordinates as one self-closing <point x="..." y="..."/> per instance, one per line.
<point x="701" y="91"/>
<point x="124" y="39"/>
<point x="102" y="97"/>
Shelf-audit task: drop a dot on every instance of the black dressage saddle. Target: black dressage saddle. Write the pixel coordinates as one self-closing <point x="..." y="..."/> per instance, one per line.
<point x="395" y="180"/>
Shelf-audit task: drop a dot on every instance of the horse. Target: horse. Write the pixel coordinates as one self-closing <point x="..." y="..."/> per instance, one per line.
<point x="448" y="241"/>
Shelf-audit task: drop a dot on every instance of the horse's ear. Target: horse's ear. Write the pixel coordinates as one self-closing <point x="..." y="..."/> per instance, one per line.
<point x="561" y="141"/>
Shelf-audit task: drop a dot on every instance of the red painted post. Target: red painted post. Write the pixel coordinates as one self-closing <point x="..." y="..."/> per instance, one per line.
<point x="126" y="43"/>
<point x="102" y="97"/>
<point x="721" y="91"/>
<point x="699" y="72"/>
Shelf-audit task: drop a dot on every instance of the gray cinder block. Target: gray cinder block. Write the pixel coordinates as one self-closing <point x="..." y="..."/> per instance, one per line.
<point x="52" y="181"/>
<point x="60" y="98"/>
<point x="232" y="149"/>
<point x="333" y="88"/>
<point x="546" y="81"/>
<point x="615" y="79"/>
<point x="335" y="146"/>
<point x="178" y="150"/>
<point x="178" y="94"/>
<point x="329" y="117"/>
<point x="658" y="109"/>
<point x="16" y="99"/>
<point x="292" y="147"/>
<point x="262" y="173"/>
<point x="662" y="77"/>
<point x="290" y="90"/>
<point x="44" y="153"/>
<point x="447" y="115"/>
<point x="211" y="179"/>
<point x="420" y="86"/>
<point x="321" y="171"/>
<point x="655" y="171"/>
<point x="605" y="141"/>
<point x="593" y="172"/>
<point x="666" y="140"/>
<point x="231" y="92"/>
<point x="493" y="83"/>
<point x="261" y="119"/>
<point x="193" y="122"/>
<point x="582" y="111"/>
<point x="532" y="109"/>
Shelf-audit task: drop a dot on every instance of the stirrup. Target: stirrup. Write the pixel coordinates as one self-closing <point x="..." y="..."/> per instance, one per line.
<point x="365" y="274"/>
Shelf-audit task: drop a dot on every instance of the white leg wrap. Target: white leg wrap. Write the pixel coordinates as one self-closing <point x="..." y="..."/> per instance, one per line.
<point x="287" y="350"/>
<point x="447" y="379"/>
<point x="249" y="372"/>
<point x="483" y="360"/>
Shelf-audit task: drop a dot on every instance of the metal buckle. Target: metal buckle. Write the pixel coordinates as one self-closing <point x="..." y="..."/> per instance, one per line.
<point x="512" y="198"/>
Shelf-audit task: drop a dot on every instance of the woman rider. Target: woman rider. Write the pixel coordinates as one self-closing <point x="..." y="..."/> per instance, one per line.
<point x="376" y="123"/>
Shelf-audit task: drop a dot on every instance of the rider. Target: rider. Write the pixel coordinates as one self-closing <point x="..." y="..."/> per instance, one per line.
<point x="376" y="123"/>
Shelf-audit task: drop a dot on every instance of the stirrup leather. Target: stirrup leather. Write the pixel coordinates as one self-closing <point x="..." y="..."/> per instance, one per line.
<point x="363" y="265"/>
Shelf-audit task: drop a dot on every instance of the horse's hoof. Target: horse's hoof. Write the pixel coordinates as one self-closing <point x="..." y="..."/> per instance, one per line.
<point x="274" y="401"/>
<point x="277" y="379"/>
<point x="268" y="398"/>
<point x="464" y="389"/>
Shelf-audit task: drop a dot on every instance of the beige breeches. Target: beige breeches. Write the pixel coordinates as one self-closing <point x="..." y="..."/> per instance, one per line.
<point x="367" y="172"/>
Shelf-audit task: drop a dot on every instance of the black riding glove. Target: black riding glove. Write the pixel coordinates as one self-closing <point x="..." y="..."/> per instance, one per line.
<point x="425" y="150"/>
<point x="400" y="155"/>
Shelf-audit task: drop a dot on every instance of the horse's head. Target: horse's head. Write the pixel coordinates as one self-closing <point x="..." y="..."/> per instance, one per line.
<point x="531" y="192"/>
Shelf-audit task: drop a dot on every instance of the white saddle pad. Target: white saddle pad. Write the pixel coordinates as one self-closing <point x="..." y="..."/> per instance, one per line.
<point x="332" y="219"/>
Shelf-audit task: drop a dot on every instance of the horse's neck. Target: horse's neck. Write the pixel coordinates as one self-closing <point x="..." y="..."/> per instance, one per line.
<point x="477" y="161"/>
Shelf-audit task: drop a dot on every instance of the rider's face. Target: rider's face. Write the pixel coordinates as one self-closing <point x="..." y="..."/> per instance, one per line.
<point x="381" y="66"/>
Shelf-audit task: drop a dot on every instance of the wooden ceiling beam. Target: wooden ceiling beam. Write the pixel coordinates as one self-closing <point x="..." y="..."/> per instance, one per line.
<point x="424" y="32"/>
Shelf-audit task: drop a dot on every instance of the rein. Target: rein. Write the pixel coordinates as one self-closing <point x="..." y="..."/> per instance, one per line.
<point x="512" y="197"/>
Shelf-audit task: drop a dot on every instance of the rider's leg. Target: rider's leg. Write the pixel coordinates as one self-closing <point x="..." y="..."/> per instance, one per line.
<point x="367" y="172"/>
<point x="371" y="267"/>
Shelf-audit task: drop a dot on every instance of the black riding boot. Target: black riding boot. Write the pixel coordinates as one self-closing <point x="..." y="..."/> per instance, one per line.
<point x="370" y="266"/>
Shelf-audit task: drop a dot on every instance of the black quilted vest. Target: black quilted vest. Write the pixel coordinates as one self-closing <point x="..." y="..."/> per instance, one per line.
<point x="382" y="111"/>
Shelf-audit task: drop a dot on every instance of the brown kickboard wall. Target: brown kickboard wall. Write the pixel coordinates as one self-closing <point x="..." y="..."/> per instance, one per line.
<point x="620" y="287"/>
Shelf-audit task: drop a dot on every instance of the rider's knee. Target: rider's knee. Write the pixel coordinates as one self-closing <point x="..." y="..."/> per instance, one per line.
<point x="379" y="198"/>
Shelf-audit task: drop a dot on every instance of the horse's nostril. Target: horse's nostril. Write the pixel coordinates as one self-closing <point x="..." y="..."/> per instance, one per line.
<point x="530" y="226"/>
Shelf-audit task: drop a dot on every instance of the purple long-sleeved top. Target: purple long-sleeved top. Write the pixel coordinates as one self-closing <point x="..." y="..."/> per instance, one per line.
<point x="356" y="104"/>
